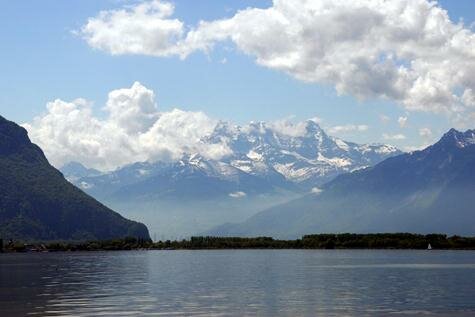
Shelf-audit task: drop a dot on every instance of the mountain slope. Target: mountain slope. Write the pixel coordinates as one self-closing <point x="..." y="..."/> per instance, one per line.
<point x="76" y="171"/>
<point x="424" y="191"/>
<point x="260" y="155"/>
<point x="191" y="178"/>
<point x="266" y="166"/>
<point x="37" y="203"/>
<point x="307" y="156"/>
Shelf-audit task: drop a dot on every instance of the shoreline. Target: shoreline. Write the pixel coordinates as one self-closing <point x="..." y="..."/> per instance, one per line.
<point x="344" y="241"/>
<point x="222" y="249"/>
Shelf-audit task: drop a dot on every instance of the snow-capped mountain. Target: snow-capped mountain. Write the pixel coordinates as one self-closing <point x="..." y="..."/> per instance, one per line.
<point x="74" y="171"/>
<point x="266" y="166"/>
<point x="192" y="177"/>
<point x="307" y="157"/>
<point x="425" y="191"/>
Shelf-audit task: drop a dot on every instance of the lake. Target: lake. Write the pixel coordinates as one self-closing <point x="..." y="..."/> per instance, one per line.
<point x="239" y="282"/>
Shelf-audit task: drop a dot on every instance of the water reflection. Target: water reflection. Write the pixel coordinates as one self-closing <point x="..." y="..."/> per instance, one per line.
<point x="248" y="282"/>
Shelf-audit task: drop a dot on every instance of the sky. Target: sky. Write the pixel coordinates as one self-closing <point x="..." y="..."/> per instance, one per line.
<point x="400" y="72"/>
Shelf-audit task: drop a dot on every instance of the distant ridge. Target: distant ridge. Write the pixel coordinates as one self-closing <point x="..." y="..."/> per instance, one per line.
<point x="260" y="154"/>
<point x="37" y="203"/>
<point x="266" y="166"/>
<point x="426" y="191"/>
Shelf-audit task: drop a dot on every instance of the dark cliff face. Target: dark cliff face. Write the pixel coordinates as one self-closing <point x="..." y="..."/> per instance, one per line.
<point x="14" y="142"/>
<point x="424" y="191"/>
<point x="37" y="203"/>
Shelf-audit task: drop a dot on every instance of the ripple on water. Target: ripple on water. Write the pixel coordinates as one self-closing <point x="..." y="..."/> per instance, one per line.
<point x="245" y="282"/>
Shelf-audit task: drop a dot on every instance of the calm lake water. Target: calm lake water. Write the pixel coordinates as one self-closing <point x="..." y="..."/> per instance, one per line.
<point x="237" y="283"/>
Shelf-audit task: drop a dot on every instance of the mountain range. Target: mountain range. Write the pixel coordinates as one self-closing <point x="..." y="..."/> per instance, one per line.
<point x="425" y="191"/>
<point x="265" y="167"/>
<point x="283" y="185"/>
<point x="38" y="203"/>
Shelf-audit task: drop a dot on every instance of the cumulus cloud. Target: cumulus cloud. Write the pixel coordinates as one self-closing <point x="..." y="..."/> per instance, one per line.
<point x="394" y="137"/>
<point x="425" y="132"/>
<point x="348" y="128"/>
<point x="145" y="28"/>
<point x="408" y="51"/>
<point x="290" y="128"/>
<point x="133" y="130"/>
<point x="132" y="109"/>
<point x="402" y="121"/>
<point x="468" y="97"/>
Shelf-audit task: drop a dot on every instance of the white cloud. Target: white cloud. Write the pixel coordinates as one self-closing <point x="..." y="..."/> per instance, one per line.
<point x="132" y="109"/>
<point x="402" y="121"/>
<point x="316" y="191"/>
<point x="412" y="148"/>
<point x="407" y="51"/>
<point x="425" y="132"/>
<point x="177" y="132"/>
<point x="394" y="137"/>
<point x="132" y="131"/>
<point x="145" y="28"/>
<point x="468" y="97"/>
<point x="287" y="127"/>
<point x="237" y="194"/>
<point x="348" y="128"/>
<point x="384" y="118"/>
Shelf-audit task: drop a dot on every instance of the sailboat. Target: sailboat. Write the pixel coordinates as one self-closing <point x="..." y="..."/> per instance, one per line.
<point x="429" y="247"/>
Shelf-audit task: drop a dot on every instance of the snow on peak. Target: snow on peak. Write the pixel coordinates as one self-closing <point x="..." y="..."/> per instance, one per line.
<point x="385" y="149"/>
<point x="467" y="138"/>
<point x="298" y="152"/>
<point x="342" y="144"/>
<point x="253" y="155"/>
<point x="335" y="161"/>
<point x="458" y="138"/>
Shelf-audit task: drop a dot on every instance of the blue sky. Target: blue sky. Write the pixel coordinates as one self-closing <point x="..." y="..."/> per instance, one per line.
<point x="42" y="60"/>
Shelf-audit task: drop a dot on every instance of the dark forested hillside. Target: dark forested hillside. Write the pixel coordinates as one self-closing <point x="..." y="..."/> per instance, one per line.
<point x="36" y="201"/>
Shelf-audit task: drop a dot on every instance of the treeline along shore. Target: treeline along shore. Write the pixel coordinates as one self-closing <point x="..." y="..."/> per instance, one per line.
<point x="314" y="241"/>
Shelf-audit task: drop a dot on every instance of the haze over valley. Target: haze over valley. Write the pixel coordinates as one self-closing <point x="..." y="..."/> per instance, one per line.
<point x="264" y="167"/>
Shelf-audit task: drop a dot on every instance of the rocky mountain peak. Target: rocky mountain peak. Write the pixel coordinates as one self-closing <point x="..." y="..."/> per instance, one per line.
<point x="457" y="138"/>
